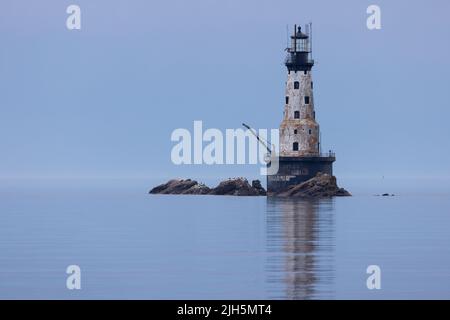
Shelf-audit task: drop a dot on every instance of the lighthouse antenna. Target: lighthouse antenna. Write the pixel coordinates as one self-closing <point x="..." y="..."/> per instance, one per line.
<point x="310" y="40"/>
<point x="308" y="46"/>
<point x="295" y="38"/>
<point x="287" y="36"/>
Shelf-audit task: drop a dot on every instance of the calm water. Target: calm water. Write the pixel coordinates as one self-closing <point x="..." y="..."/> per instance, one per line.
<point x="133" y="245"/>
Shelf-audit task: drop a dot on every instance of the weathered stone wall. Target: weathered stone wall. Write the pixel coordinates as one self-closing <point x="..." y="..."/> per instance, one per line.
<point x="303" y="130"/>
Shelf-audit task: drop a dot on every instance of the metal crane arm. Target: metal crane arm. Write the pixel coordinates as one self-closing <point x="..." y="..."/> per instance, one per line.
<point x="261" y="140"/>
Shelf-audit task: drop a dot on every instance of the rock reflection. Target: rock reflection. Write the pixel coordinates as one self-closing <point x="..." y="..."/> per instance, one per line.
<point x="300" y="244"/>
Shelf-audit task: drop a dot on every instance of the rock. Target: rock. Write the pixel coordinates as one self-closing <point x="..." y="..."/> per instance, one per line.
<point x="181" y="187"/>
<point x="233" y="187"/>
<point x="256" y="184"/>
<point x="341" y="192"/>
<point x="321" y="186"/>
<point x="198" y="188"/>
<point x="238" y="187"/>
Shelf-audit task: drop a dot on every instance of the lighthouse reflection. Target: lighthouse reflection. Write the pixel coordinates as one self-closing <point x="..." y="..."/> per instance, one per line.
<point x="300" y="246"/>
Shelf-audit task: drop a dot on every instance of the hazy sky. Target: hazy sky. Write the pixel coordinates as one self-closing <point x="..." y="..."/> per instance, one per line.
<point x="103" y="101"/>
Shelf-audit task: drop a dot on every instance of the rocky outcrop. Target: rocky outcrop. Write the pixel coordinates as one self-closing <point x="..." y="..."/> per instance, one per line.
<point x="321" y="186"/>
<point x="256" y="184"/>
<point x="239" y="187"/>
<point x="230" y="187"/>
<point x="181" y="187"/>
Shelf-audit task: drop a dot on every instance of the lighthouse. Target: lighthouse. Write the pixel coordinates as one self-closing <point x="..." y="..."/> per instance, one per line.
<point x="300" y="156"/>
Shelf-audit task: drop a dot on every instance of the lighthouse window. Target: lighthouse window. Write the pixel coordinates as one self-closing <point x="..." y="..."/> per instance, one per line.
<point x="305" y="72"/>
<point x="287" y="100"/>
<point x="312" y="85"/>
<point x="295" y="131"/>
<point x="296" y="85"/>
<point x="296" y="115"/>
<point x="309" y="131"/>
<point x="295" y="146"/>
<point x="307" y="100"/>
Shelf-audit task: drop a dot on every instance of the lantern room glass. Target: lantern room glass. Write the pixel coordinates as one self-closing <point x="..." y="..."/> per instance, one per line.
<point x="302" y="45"/>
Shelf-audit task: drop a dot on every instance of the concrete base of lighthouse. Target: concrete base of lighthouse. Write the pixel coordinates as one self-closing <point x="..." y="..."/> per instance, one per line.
<point x="295" y="170"/>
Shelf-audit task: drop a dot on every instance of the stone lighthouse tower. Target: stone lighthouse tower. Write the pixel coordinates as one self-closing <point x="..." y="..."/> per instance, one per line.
<point x="300" y="155"/>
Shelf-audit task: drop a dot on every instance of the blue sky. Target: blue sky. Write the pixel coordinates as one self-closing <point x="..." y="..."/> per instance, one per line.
<point x="103" y="101"/>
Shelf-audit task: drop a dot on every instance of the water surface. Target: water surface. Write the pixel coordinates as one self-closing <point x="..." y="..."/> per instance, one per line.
<point x="131" y="245"/>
